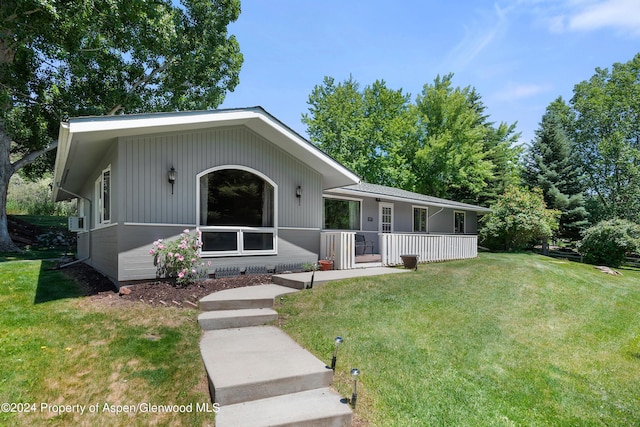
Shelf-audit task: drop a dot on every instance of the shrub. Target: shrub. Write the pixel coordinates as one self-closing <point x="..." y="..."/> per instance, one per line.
<point x="35" y="198"/>
<point x="179" y="259"/>
<point x="518" y="218"/>
<point x="609" y="242"/>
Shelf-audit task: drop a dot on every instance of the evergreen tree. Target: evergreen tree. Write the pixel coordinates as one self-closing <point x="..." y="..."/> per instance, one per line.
<point x="550" y="166"/>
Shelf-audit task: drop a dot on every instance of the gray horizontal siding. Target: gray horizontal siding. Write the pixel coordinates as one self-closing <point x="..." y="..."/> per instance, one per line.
<point x="146" y="161"/>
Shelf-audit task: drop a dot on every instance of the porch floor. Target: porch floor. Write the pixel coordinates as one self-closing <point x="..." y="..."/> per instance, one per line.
<point x="368" y="258"/>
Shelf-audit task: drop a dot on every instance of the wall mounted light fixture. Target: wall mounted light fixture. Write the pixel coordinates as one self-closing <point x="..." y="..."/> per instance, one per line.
<point x="171" y="176"/>
<point x="299" y="193"/>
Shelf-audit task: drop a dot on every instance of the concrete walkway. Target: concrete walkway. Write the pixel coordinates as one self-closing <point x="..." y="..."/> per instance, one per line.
<point x="303" y="280"/>
<point x="257" y="374"/>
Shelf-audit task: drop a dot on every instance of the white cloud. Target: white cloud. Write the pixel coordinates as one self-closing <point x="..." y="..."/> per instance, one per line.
<point x="587" y="15"/>
<point x="623" y="15"/>
<point x="478" y="38"/>
<point x="515" y="91"/>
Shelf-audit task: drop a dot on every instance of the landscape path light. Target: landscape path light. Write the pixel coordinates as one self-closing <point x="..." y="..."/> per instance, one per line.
<point x="355" y="372"/>
<point x="337" y="341"/>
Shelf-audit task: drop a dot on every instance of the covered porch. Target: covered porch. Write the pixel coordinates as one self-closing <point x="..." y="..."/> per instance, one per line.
<point x="340" y="247"/>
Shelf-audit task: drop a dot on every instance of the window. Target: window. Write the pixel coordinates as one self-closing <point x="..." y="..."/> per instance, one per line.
<point x="341" y="214"/>
<point x="237" y="213"/>
<point x="459" y="218"/>
<point x="420" y="220"/>
<point x="103" y="197"/>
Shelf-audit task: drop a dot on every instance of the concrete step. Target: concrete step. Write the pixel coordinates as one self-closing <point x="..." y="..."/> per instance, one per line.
<point x="318" y="408"/>
<point x="225" y="319"/>
<point x="258" y="362"/>
<point x="303" y="280"/>
<point x="261" y="296"/>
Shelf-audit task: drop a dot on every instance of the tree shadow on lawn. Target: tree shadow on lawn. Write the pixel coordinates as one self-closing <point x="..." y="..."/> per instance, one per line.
<point x="71" y="282"/>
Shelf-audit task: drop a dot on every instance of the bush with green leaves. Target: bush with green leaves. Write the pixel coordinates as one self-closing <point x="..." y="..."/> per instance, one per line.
<point x="179" y="259"/>
<point x="519" y="218"/>
<point x="27" y="197"/>
<point x="609" y="242"/>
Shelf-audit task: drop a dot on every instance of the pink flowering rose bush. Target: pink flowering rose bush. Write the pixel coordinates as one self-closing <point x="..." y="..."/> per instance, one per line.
<point x="179" y="259"/>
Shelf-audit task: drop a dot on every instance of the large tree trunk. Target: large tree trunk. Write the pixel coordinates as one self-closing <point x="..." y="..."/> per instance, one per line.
<point x="6" y="171"/>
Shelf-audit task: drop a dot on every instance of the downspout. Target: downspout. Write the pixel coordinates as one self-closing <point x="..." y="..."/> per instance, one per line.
<point x="88" y="228"/>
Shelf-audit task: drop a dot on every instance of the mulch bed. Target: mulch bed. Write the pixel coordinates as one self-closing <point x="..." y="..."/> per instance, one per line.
<point x="157" y="293"/>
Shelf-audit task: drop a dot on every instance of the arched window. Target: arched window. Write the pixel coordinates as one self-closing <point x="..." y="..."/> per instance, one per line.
<point x="237" y="212"/>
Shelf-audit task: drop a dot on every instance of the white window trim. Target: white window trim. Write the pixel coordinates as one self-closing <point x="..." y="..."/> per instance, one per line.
<point x="464" y="216"/>
<point x="239" y="230"/>
<point x="99" y="197"/>
<point x="352" y="199"/>
<point x="413" y="212"/>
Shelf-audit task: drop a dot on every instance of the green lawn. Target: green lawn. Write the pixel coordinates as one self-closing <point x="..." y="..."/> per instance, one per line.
<point x="60" y="349"/>
<point x="502" y="340"/>
<point x="46" y="223"/>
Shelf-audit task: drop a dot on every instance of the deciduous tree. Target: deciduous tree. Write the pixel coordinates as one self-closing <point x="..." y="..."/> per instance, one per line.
<point x="606" y="132"/>
<point x="450" y="160"/>
<point x="96" y="57"/>
<point x="441" y="145"/>
<point x="364" y="129"/>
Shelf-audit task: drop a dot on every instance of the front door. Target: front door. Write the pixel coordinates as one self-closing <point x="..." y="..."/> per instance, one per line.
<point x="386" y="217"/>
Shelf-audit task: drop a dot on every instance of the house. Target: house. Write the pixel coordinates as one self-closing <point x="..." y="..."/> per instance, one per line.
<point x="261" y="195"/>
<point x="392" y="222"/>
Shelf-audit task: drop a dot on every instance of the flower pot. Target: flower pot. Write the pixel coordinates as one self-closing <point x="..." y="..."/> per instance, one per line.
<point x="325" y="265"/>
<point x="410" y="261"/>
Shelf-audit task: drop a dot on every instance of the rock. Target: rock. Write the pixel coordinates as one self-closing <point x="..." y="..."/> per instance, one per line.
<point x="608" y="270"/>
<point x="124" y="291"/>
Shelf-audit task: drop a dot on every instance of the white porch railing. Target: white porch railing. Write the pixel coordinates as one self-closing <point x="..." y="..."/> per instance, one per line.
<point x="428" y="247"/>
<point x="339" y="246"/>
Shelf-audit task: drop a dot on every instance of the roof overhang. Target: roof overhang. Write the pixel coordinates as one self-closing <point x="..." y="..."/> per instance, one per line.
<point x="413" y="198"/>
<point x="83" y="141"/>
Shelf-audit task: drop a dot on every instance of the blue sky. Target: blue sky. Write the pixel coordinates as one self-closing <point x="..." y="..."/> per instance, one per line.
<point x="519" y="55"/>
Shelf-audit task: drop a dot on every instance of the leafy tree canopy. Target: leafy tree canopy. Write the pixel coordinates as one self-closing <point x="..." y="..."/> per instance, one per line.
<point x="363" y="129"/>
<point x="460" y="154"/>
<point x="95" y="57"/>
<point x="606" y="135"/>
<point x="441" y="145"/>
